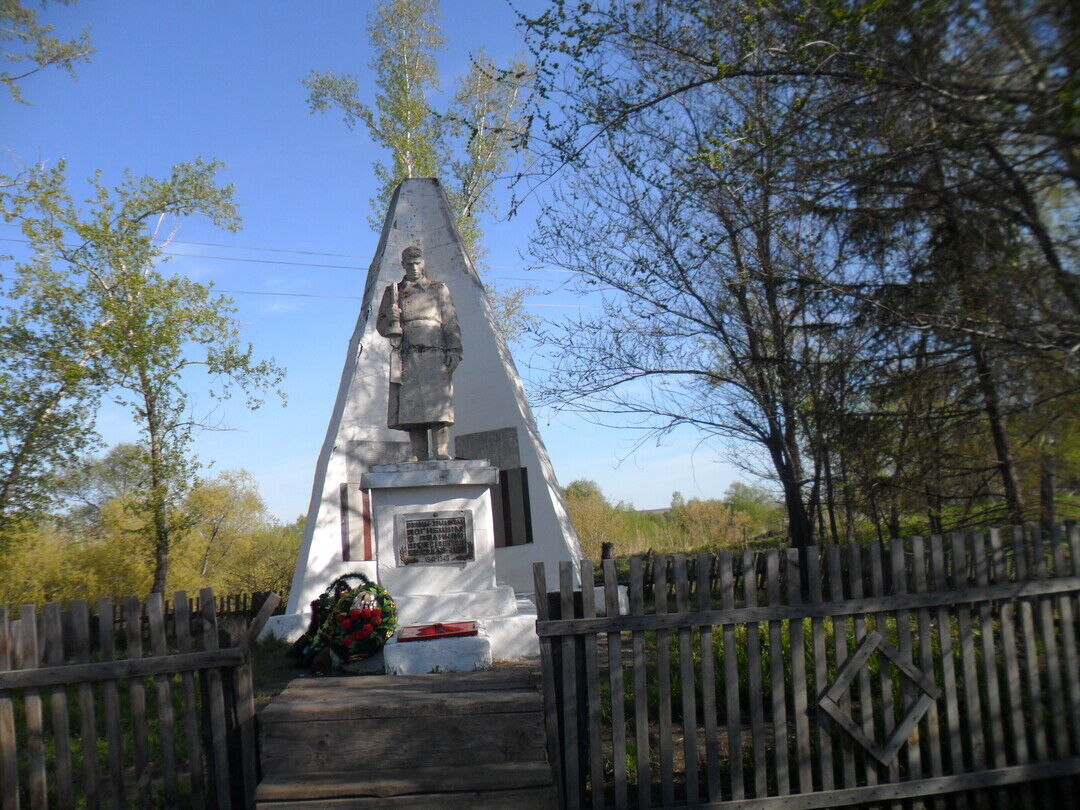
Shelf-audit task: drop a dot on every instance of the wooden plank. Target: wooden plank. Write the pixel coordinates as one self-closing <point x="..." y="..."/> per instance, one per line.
<point x="216" y="704"/>
<point x="731" y="679"/>
<point x="948" y="665"/>
<point x="1029" y="650"/>
<point x="121" y="669"/>
<point x="9" y="774"/>
<point x="663" y="680"/>
<point x="414" y="782"/>
<point x="548" y="677"/>
<point x="686" y="684"/>
<point x="594" y="726"/>
<point x="821" y="670"/>
<point x="855" y="584"/>
<point x="245" y="720"/>
<point x="191" y="732"/>
<point x="847" y="607"/>
<point x="1013" y="694"/>
<point x="995" y="718"/>
<point x="615" y="675"/>
<point x="891" y="792"/>
<point x="840" y="653"/>
<point x="111" y="703"/>
<point x="166" y="716"/>
<point x="251" y="635"/>
<point x="756" y="695"/>
<point x="708" y="684"/>
<point x="61" y="727"/>
<point x="29" y="658"/>
<point x="137" y="697"/>
<point x="930" y="726"/>
<point x="569" y="709"/>
<point x="641" y="698"/>
<point x="800" y="706"/>
<point x="911" y="754"/>
<point x="80" y="623"/>
<point x="888" y="698"/>
<point x="781" y="765"/>
<point x="1055" y="690"/>
<point x="1070" y="660"/>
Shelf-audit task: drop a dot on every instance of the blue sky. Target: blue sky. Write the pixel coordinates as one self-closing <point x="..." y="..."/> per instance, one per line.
<point x="174" y="80"/>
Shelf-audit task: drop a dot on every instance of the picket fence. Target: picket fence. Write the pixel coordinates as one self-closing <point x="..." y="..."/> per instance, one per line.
<point x="191" y="745"/>
<point x="905" y="674"/>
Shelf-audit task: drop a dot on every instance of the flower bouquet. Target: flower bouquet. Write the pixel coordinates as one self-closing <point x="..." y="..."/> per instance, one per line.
<point x="352" y="623"/>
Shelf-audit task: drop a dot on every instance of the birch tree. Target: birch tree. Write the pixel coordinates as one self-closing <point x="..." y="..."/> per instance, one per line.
<point x="146" y="338"/>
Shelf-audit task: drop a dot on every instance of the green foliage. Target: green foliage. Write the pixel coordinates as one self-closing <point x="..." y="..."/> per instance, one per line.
<point x="687" y="526"/>
<point x="405" y="36"/>
<point x="468" y="144"/>
<point x="104" y="543"/>
<point x="26" y="41"/>
<point x="124" y="327"/>
<point x="834" y="238"/>
<point x="470" y="141"/>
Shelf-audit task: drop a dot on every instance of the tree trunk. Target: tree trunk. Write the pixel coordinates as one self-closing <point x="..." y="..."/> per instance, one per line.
<point x="1006" y="466"/>
<point x="158" y="491"/>
<point x="800" y="526"/>
<point x="830" y="501"/>
<point x="1046" y="494"/>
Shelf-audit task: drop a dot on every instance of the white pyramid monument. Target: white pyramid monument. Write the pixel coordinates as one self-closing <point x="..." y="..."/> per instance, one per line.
<point x="493" y="422"/>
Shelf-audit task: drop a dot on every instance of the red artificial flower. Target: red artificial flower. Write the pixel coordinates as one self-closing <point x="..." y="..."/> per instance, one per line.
<point x="346" y="624"/>
<point x="355" y="614"/>
<point x="365" y="631"/>
<point x="376" y="617"/>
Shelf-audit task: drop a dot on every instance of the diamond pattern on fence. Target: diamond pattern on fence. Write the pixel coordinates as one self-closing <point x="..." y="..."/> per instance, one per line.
<point x="895" y="738"/>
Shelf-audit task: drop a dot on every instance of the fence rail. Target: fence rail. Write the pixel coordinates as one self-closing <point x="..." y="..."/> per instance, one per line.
<point x="171" y="712"/>
<point x="830" y="677"/>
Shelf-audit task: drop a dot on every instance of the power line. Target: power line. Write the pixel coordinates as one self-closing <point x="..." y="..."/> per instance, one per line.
<point x="225" y="258"/>
<point x="288" y="295"/>
<point x="301" y="253"/>
<point x="359" y="298"/>
<point x="265" y="261"/>
<point x="238" y="247"/>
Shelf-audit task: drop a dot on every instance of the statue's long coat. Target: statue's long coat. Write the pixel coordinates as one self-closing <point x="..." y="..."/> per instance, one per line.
<point x="422" y="314"/>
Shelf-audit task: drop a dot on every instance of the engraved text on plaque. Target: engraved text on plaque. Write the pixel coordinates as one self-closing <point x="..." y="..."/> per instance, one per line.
<point x="434" y="537"/>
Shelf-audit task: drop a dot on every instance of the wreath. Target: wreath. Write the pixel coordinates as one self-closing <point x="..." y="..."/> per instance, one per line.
<point x="353" y="623"/>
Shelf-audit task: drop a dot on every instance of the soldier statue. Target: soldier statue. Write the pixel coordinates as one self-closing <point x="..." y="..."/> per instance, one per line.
<point x="417" y="316"/>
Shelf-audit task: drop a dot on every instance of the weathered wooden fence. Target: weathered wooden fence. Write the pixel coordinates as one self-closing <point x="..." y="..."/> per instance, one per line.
<point x="103" y="742"/>
<point x="940" y="671"/>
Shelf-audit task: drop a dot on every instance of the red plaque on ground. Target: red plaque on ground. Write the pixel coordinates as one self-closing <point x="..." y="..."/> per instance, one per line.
<point x="428" y="632"/>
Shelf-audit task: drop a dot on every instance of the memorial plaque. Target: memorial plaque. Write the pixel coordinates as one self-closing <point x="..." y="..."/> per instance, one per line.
<point x="434" y="538"/>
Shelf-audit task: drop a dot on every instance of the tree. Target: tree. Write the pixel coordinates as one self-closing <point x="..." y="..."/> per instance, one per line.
<point x="48" y="394"/>
<point x="405" y="36"/>
<point x="696" y="245"/>
<point x="29" y="42"/>
<point x="469" y="144"/>
<point x="143" y="335"/>
<point x="103" y="544"/>
<point x="813" y="223"/>
<point x="595" y="520"/>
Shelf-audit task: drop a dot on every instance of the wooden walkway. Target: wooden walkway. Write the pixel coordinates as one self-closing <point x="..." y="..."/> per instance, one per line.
<point x="460" y="740"/>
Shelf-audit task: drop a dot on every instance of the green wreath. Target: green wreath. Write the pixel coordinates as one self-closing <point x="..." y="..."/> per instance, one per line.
<point x="352" y="622"/>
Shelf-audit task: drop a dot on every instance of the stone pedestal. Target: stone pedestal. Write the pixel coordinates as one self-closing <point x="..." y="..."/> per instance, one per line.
<point x="435" y="554"/>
